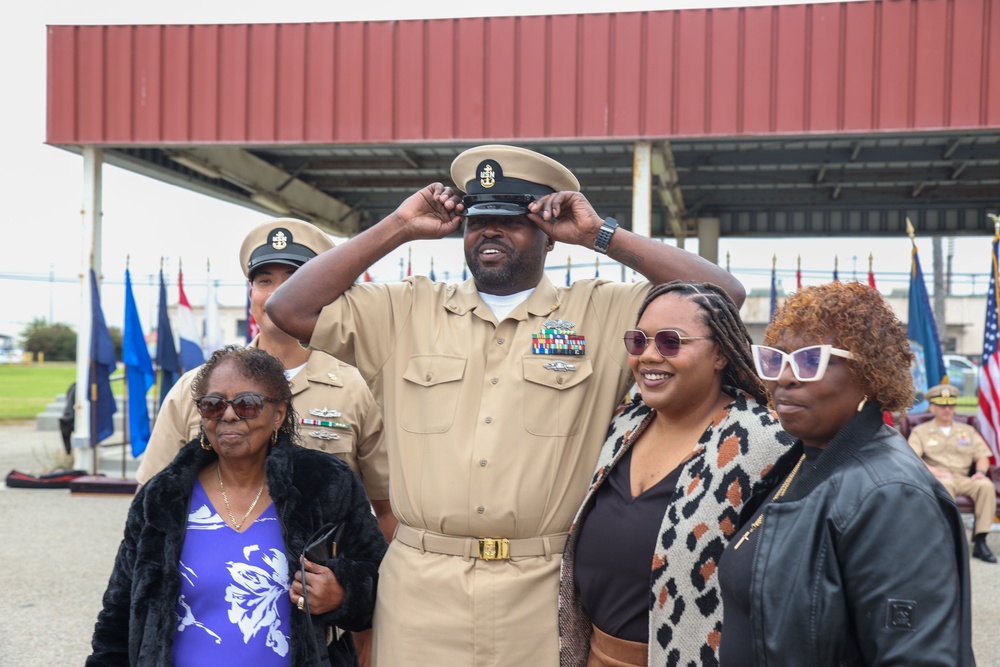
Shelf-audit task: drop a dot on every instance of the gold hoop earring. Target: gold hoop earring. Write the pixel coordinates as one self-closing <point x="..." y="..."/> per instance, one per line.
<point x="274" y="438"/>
<point x="861" y="405"/>
<point x="205" y="444"/>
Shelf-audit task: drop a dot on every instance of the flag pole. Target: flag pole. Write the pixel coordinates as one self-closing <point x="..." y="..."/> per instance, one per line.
<point x="124" y="396"/>
<point x="157" y="385"/>
<point x="93" y="416"/>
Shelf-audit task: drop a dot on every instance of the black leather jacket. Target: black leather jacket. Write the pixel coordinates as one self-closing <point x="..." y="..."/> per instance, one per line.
<point x="862" y="562"/>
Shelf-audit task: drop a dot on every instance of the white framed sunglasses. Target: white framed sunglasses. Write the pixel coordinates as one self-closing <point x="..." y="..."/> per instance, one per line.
<point x="808" y="363"/>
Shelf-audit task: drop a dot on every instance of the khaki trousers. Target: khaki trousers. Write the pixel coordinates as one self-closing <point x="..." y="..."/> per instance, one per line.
<point x="984" y="498"/>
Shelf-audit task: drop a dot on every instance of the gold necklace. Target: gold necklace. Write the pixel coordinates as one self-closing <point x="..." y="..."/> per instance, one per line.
<point x="781" y="491"/>
<point x="225" y="499"/>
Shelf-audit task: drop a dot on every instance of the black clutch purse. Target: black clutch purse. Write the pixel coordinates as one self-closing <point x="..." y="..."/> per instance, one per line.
<point x="322" y="545"/>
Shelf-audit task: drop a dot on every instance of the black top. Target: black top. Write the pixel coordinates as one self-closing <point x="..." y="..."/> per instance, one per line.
<point x="735" y="566"/>
<point x="614" y="554"/>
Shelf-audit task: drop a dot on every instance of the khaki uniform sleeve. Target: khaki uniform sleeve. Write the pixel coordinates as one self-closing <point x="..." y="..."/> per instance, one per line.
<point x="361" y="326"/>
<point x="980" y="448"/>
<point x="916" y="441"/>
<point x="373" y="457"/>
<point x="177" y="423"/>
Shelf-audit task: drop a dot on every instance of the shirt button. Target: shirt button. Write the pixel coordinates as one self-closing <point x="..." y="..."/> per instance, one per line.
<point x="428" y="377"/>
<point x="494" y="380"/>
<point x="499" y="341"/>
<point x="480" y="509"/>
<point x="482" y="463"/>
<point x="489" y="420"/>
<point x="559" y="380"/>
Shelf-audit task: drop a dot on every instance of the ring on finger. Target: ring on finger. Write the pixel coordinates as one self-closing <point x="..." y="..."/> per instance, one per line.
<point x="301" y="603"/>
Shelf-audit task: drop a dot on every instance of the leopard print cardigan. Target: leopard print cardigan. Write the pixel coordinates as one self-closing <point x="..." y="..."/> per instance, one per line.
<point x="685" y="605"/>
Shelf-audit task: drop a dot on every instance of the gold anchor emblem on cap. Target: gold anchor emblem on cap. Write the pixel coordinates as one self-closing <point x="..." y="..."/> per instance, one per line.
<point x="279" y="240"/>
<point x="486" y="177"/>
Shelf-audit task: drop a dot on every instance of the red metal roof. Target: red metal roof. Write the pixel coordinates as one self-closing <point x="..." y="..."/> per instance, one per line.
<point x="821" y="68"/>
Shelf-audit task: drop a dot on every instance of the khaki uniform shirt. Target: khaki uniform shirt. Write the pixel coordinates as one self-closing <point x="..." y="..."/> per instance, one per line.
<point x="325" y="383"/>
<point x="955" y="452"/>
<point x="485" y="438"/>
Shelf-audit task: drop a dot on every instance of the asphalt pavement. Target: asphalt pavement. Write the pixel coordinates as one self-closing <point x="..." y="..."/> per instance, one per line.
<point x="57" y="550"/>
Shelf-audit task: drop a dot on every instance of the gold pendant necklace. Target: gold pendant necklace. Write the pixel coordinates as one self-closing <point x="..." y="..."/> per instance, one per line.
<point x="760" y="517"/>
<point x="225" y="499"/>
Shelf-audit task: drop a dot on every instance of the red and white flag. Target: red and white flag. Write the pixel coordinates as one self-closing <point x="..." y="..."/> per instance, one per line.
<point x="187" y="330"/>
<point x="989" y="371"/>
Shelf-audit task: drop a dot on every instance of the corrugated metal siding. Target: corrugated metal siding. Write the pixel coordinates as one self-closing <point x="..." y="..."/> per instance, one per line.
<point x="792" y="69"/>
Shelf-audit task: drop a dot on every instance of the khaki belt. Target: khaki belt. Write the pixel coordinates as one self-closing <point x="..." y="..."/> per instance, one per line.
<point x="486" y="548"/>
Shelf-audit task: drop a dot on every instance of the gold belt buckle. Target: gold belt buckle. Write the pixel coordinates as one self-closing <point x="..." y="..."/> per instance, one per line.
<point x="494" y="548"/>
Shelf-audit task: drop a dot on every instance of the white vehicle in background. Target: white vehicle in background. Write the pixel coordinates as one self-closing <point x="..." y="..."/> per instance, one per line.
<point x="956" y="366"/>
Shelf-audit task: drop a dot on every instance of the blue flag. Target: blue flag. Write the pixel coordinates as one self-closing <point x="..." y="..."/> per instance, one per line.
<point x="920" y="329"/>
<point x="166" y="352"/>
<point x="102" y="365"/>
<point x="138" y="372"/>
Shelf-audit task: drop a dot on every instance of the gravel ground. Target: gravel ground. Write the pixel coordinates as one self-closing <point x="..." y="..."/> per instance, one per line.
<point x="58" y="549"/>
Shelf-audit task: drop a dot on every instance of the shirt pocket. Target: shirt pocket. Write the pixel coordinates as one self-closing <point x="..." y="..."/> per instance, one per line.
<point x="429" y="397"/>
<point x="554" y="399"/>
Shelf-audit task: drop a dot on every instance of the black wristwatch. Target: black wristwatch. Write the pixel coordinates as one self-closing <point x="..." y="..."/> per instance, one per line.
<point x="604" y="235"/>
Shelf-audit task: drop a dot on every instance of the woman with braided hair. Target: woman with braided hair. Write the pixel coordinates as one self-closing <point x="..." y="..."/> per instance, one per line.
<point x="638" y="583"/>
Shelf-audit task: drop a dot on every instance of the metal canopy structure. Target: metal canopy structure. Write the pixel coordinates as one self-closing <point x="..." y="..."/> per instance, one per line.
<point x="945" y="182"/>
<point x="792" y="120"/>
<point x="829" y="119"/>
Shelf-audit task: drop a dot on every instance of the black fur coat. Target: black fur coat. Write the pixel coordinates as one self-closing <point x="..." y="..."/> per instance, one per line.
<point x="309" y="488"/>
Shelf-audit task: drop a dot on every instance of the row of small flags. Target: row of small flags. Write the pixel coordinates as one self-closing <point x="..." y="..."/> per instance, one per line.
<point x="929" y="368"/>
<point x="140" y="375"/>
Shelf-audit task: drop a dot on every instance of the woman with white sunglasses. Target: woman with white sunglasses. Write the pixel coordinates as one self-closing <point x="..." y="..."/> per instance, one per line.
<point x="638" y="584"/>
<point x="849" y="551"/>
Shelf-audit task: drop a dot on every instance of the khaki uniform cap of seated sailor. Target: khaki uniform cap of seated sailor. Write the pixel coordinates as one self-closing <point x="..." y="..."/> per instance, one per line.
<point x="502" y="180"/>
<point x="942" y="394"/>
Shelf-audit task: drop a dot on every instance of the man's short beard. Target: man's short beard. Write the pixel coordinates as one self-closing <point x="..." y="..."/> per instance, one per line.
<point x="519" y="266"/>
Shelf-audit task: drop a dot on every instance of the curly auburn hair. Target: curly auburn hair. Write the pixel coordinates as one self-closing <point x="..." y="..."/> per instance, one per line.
<point x="856" y="318"/>
<point x="722" y="317"/>
<point x="257" y="366"/>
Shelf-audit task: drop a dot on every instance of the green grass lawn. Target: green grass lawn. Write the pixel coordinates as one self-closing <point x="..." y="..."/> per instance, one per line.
<point x="25" y="390"/>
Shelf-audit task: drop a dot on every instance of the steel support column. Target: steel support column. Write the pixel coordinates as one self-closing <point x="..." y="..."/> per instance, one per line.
<point x="90" y="245"/>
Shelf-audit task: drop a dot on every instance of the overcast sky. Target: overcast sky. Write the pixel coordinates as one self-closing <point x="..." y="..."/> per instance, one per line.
<point x="43" y="185"/>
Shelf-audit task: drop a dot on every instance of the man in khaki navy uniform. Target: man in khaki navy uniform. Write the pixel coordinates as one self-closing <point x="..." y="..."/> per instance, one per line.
<point x="950" y="448"/>
<point x="497" y="395"/>
<point x="337" y="410"/>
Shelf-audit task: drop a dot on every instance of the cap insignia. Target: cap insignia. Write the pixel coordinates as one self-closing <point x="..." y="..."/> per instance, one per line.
<point x="487" y="178"/>
<point x="279" y="241"/>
